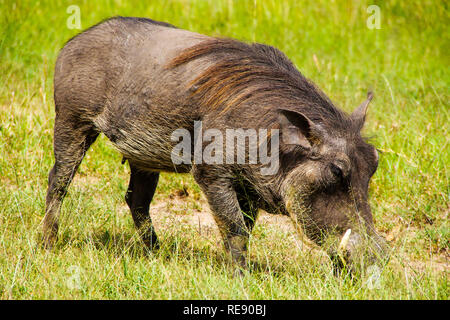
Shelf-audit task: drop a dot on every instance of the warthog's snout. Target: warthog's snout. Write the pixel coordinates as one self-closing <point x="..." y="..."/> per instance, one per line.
<point x="364" y="254"/>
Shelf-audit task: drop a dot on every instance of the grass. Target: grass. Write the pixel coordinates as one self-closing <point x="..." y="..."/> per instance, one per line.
<point x="99" y="255"/>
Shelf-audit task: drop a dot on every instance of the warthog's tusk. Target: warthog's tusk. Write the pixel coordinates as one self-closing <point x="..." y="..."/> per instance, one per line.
<point x="344" y="241"/>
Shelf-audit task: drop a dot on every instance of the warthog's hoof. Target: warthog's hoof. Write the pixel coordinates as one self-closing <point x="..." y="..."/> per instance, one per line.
<point x="47" y="242"/>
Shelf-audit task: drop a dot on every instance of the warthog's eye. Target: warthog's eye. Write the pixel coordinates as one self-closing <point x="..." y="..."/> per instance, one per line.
<point x="336" y="170"/>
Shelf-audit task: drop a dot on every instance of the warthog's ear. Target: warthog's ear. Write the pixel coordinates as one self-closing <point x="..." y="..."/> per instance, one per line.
<point x="297" y="129"/>
<point x="359" y="115"/>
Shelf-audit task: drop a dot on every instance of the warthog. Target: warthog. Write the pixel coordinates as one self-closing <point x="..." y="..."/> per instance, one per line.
<point x="137" y="81"/>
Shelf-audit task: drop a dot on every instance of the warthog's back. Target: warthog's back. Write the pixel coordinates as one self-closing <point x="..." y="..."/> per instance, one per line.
<point x="114" y="75"/>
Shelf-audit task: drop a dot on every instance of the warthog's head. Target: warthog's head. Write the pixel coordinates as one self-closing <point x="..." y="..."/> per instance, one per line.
<point x="327" y="172"/>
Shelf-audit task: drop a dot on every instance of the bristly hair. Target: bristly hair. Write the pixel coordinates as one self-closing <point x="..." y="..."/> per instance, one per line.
<point x="129" y="20"/>
<point x="255" y="73"/>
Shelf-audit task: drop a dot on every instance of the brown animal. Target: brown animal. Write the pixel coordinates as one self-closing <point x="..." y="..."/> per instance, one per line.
<point x="137" y="81"/>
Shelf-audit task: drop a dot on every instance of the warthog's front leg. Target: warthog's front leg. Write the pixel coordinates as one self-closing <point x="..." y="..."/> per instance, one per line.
<point x="224" y="205"/>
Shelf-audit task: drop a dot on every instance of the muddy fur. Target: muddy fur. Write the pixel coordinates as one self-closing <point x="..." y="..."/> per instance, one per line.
<point x="137" y="80"/>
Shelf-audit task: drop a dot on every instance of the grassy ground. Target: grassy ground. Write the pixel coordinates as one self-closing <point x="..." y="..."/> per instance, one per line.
<point x="99" y="255"/>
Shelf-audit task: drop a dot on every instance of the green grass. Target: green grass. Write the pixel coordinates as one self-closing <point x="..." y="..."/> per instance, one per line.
<point x="405" y="63"/>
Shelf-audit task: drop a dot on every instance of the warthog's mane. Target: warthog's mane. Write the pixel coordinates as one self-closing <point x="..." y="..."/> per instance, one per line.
<point x="258" y="74"/>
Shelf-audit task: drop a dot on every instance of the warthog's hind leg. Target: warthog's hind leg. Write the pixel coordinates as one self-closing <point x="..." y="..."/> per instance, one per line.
<point x="70" y="146"/>
<point x="138" y="197"/>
